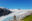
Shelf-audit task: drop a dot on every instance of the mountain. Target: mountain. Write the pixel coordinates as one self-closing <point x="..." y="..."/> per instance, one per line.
<point x="18" y="13"/>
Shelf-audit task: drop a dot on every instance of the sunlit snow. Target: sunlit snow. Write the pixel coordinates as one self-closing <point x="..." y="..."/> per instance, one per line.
<point x="18" y="13"/>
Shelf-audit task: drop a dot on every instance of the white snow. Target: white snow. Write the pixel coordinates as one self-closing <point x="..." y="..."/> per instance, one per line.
<point x="19" y="13"/>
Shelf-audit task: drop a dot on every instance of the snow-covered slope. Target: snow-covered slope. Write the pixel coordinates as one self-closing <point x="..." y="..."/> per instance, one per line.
<point x="19" y="14"/>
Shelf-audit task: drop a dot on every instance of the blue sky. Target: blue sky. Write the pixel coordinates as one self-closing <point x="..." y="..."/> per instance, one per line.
<point x="15" y="4"/>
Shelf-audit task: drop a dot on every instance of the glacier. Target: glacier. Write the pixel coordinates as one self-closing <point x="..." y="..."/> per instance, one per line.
<point x="18" y="13"/>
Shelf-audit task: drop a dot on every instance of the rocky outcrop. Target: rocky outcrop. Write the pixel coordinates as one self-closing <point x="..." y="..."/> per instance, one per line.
<point x="4" y="11"/>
